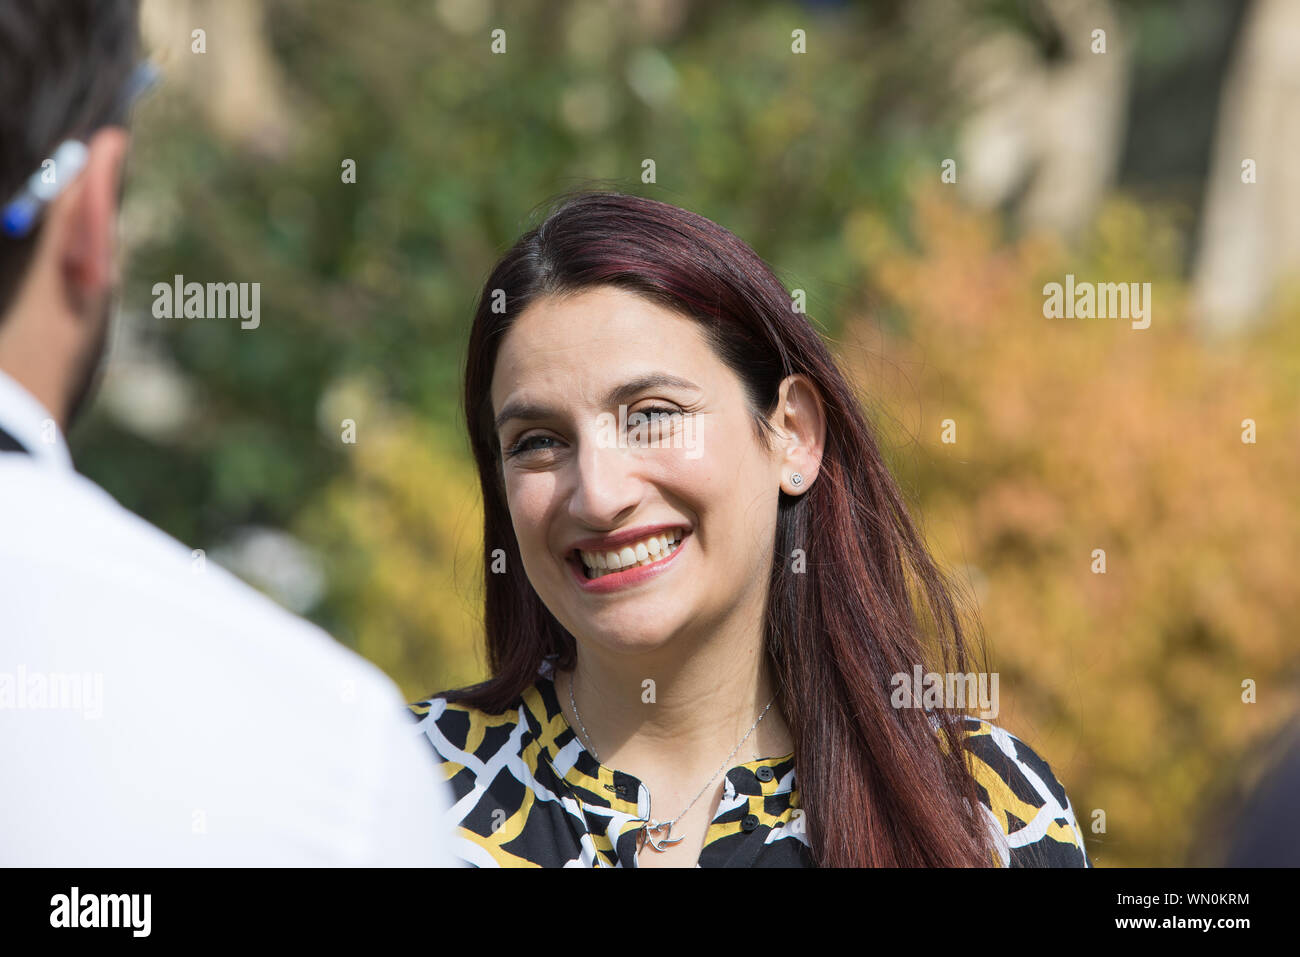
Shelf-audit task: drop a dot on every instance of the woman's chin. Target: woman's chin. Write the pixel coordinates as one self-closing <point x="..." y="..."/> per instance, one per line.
<point x="625" y="635"/>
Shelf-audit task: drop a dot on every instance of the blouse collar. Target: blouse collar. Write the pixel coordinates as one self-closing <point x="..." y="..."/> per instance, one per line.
<point x="556" y="740"/>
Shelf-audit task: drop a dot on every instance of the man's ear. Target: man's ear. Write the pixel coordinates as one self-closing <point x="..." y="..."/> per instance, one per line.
<point x="88" y="226"/>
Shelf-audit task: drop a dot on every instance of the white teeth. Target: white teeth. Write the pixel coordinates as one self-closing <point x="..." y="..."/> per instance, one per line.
<point x="645" y="552"/>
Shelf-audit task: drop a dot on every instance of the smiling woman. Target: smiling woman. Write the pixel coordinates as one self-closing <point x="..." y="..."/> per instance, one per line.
<point x="692" y="642"/>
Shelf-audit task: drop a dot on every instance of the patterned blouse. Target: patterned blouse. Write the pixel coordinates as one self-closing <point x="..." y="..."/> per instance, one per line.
<point x="526" y="793"/>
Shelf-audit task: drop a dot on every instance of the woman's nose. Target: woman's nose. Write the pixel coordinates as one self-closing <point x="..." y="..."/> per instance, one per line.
<point x="606" y="486"/>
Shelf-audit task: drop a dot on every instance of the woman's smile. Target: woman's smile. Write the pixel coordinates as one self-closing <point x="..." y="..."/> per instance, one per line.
<point x="601" y="566"/>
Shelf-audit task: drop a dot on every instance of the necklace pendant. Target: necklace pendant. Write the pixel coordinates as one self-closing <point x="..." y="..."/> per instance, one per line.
<point x="664" y="842"/>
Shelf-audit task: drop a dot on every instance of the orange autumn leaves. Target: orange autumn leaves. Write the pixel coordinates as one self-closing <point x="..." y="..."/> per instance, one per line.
<point x="1073" y="435"/>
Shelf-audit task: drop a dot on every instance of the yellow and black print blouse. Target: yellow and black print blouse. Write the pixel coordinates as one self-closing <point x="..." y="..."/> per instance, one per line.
<point x="526" y="793"/>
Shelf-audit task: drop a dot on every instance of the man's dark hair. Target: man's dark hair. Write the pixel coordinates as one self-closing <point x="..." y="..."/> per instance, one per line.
<point x="63" y="65"/>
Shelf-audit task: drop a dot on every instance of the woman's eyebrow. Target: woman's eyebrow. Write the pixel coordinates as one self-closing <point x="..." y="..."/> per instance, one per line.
<point x="523" y="409"/>
<point x="651" y="380"/>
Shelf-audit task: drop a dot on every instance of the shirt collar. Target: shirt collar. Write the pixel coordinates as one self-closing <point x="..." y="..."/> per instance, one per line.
<point x="27" y="420"/>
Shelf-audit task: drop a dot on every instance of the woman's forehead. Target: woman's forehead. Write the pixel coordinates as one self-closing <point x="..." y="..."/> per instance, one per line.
<point x="601" y="312"/>
<point x="594" y="340"/>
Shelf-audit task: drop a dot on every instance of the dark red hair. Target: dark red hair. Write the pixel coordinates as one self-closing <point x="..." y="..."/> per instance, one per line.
<point x="877" y="784"/>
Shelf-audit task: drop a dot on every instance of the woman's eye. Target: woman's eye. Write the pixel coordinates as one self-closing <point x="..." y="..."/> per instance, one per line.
<point x="651" y="424"/>
<point x="526" y="444"/>
<point x="655" y="411"/>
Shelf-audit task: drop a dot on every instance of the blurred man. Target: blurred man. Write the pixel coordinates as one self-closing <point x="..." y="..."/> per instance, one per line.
<point x="1261" y="831"/>
<point x="153" y="709"/>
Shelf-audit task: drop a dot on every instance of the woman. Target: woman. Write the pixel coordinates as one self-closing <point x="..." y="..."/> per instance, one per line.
<point x="702" y="584"/>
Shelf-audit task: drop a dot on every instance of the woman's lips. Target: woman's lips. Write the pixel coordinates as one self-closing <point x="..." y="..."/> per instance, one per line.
<point x="624" y="578"/>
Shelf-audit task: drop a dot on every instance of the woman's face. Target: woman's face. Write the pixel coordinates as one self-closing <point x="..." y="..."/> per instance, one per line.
<point x="589" y="483"/>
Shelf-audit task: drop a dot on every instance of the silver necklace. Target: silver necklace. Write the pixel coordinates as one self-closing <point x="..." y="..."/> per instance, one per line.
<point x="652" y="826"/>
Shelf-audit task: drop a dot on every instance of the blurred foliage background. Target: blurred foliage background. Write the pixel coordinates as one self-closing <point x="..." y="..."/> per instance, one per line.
<point x="1072" y="435"/>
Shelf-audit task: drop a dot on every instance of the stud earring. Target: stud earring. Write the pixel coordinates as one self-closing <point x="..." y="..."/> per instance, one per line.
<point x="796" y="479"/>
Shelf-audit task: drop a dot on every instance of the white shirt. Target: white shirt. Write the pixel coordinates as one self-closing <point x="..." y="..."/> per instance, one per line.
<point x="155" y="711"/>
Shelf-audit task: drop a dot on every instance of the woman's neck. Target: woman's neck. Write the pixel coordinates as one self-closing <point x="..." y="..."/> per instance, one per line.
<point x="658" y="717"/>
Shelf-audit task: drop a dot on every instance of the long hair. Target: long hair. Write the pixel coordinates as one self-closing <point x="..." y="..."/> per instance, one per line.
<point x="879" y="785"/>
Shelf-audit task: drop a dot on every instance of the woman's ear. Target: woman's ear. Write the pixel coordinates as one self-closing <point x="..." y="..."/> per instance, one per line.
<point x="800" y="421"/>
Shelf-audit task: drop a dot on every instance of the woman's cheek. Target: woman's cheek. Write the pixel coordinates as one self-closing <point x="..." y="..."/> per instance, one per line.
<point x="528" y="498"/>
<point x="716" y="467"/>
